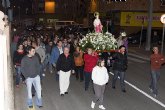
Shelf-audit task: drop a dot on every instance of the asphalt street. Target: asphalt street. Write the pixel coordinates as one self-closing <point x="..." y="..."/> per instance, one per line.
<point x="138" y="74"/>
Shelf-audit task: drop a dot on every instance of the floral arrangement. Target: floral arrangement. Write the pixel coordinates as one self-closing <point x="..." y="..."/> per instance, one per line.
<point x="99" y="42"/>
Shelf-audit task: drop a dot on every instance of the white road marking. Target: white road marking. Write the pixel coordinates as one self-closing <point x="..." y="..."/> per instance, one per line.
<point x="144" y="93"/>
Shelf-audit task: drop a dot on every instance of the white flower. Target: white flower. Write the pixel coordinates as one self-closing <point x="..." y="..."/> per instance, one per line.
<point x="99" y="41"/>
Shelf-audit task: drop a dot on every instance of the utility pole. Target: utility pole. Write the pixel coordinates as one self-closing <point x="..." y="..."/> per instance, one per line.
<point x="150" y="17"/>
<point x="162" y="19"/>
<point x="162" y="47"/>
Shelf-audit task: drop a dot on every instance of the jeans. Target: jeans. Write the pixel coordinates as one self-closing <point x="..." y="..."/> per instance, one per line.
<point x="56" y="74"/>
<point x="41" y="70"/>
<point x="122" y="77"/>
<point x="79" y="73"/>
<point x="47" y="62"/>
<point x="19" y="75"/>
<point x="37" y="85"/>
<point x="155" y="76"/>
<point x="87" y="79"/>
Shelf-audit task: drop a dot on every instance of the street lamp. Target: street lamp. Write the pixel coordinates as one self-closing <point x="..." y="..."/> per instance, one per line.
<point x="162" y="19"/>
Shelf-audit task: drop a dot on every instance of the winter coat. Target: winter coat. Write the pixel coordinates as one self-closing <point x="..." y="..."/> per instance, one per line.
<point x="120" y="62"/>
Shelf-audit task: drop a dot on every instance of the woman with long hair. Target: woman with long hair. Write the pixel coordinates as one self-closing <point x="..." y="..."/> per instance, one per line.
<point x="18" y="55"/>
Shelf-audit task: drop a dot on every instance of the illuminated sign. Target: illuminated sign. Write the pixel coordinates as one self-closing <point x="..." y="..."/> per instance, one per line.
<point x="139" y="19"/>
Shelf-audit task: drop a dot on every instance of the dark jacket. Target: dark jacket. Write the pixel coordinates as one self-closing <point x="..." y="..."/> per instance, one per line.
<point x="30" y="66"/>
<point x="18" y="57"/>
<point x="48" y="49"/>
<point x="120" y="62"/>
<point x="25" y="49"/>
<point x="65" y="63"/>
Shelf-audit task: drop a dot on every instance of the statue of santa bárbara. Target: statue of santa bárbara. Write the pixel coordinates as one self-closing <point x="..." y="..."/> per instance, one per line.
<point x="98" y="40"/>
<point x="97" y="23"/>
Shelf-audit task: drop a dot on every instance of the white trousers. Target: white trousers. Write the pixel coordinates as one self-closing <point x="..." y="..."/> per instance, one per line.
<point x="64" y="81"/>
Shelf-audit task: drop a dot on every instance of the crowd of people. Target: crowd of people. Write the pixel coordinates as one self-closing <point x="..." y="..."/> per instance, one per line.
<point x="36" y="54"/>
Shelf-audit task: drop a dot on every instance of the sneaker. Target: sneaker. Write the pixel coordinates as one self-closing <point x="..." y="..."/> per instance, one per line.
<point x="44" y="70"/>
<point x="51" y="72"/>
<point x="151" y="90"/>
<point x="30" y="106"/>
<point x="66" y="92"/>
<point x="92" y="105"/>
<point x="124" y="91"/>
<point x="155" y="95"/>
<point x="101" y="107"/>
<point x="40" y="106"/>
<point x="43" y="75"/>
<point x="62" y="95"/>
<point x="33" y="95"/>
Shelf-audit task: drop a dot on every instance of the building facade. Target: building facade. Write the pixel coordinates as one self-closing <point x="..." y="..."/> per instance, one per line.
<point x="114" y="11"/>
<point x="63" y="9"/>
<point x="131" y="5"/>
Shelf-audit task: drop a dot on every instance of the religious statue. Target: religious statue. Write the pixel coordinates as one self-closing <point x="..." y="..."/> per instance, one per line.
<point x="97" y="23"/>
<point x="6" y="20"/>
<point x="2" y="23"/>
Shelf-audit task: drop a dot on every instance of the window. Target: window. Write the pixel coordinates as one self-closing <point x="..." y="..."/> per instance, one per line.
<point x="162" y="2"/>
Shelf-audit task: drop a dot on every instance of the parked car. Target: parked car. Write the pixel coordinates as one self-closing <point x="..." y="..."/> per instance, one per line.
<point x="75" y="29"/>
<point x="70" y="29"/>
<point x="62" y="24"/>
<point x="134" y="38"/>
